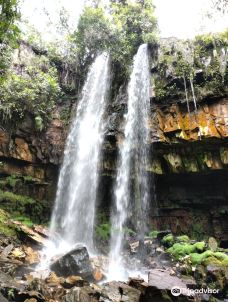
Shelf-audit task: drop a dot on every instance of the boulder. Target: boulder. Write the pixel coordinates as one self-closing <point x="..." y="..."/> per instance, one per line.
<point x="75" y="262"/>
<point x="2" y="298"/>
<point x="81" y="294"/>
<point x="120" y="291"/>
<point x="160" y="287"/>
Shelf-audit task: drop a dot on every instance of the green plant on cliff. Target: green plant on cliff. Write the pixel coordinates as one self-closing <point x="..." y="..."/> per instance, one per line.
<point x="93" y="33"/>
<point x="135" y="24"/>
<point x="5" y="227"/>
<point x="20" y="205"/>
<point x="35" y="89"/>
<point x="119" y="32"/>
<point x="9" y="31"/>
<point x="12" y="180"/>
<point x="103" y="231"/>
<point x="201" y="60"/>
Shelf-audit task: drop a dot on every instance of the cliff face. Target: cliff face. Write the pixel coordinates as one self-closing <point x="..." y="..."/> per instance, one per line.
<point x="189" y="149"/>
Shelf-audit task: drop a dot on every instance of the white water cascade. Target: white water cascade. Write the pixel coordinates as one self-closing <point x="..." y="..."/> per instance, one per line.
<point x="132" y="163"/>
<point x="73" y="216"/>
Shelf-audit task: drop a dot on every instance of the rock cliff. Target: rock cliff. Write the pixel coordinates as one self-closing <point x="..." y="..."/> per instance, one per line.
<point x="189" y="142"/>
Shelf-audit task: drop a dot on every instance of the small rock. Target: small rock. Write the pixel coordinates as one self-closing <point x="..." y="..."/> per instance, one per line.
<point x="30" y="295"/>
<point x="81" y="294"/>
<point x="7" y="250"/>
<point x="120" y="291"/>
<point x="32" y="256"/>
<point x="53" y="280"/>
<point x="212" y="243"/>
<point x="97" y="275"/>
<point x="72" y="281"/>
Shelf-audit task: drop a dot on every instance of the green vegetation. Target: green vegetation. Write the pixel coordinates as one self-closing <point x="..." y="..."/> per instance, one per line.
<point x="134" y="24"/>
<point x="168" y="240"/>
<point x="9" y="32"/>
<point x="25" y="220"/>
<point x="183" y="238"/>
<point x="179" y="250"/>
<point x="36" y="82"/>
<point x="23" y="206"/>
<point x="5" y="227"/>
<point x="182" y="249"/>
<point x="34" y="90"/>
<point x="120" y="33"/>
<point x="11" y="180"/>
<point x="103" y="231"/>
<point x="153" y="234"/>
<point x="8" y="15"/>
<point x="183" y="60"/>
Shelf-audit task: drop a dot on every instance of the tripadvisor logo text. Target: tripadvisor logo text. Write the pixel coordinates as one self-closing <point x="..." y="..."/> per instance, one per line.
<point x="177" y="291"/>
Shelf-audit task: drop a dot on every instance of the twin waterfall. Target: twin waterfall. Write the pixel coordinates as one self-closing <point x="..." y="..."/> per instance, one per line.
<point x="132" y="164"/>
<point x="74" y="213"/>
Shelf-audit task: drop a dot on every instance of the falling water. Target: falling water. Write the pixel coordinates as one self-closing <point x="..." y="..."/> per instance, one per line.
<point x="133" y="159"/>
<point x="73" y="217"/>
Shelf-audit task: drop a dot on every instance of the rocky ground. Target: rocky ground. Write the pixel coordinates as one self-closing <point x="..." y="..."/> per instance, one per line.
<point x="170" y="262"/>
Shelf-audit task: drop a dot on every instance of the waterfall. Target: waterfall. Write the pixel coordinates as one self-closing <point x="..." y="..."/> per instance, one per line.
<point x="133" y="156"/>
<point x="73" y="216"/>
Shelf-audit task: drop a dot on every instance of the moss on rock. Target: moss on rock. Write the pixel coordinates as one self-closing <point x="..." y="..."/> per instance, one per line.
<point x="20" y="205"/>
<point x="179" y="250"/>
<point x="6" y="228"/>
<point x="168" y="240"/>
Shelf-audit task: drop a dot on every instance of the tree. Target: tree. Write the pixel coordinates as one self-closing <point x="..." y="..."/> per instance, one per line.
<point x="135" y="24"/>
<point x="220" y="5"/>
<point x="9" y="31"/>
<point x="8" y="15"/>
<point x="120" y="30"/>
<point x="93" y="32"/>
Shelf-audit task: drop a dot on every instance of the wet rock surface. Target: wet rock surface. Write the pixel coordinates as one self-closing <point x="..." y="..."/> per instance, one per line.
<point x="75" y="262"/>
<point x="50" y="286"/>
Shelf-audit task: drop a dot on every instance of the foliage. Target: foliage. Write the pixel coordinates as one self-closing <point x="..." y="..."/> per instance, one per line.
<point x="199" y="61"/>
<point x="153" y="234"/>
<point x="12" y="180"/>
<point x="39" y="123"/>
<point x="5" y="227"/>
<point x="9" y="31"/>
<point x="121" y="32"/>
<point x="93" y="34"/>
<point x="168" y="240"/>
<point x="19" y="205"/>
<point x="28" y="178"/>
<point x="135" y="24"/>
<point x="8" y="15"/>
<point x="34" y="89"/>
<point x="103" y="231"/>
<point x="25" y="220"/>
<point x="220" y="5"/>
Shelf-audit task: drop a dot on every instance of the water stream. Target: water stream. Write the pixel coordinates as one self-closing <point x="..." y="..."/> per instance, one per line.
<point x="133" y="156"/>
<point x="74" y="212"/>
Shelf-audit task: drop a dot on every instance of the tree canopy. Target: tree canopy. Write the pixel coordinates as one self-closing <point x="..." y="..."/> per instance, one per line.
<point x="8" y="15"/>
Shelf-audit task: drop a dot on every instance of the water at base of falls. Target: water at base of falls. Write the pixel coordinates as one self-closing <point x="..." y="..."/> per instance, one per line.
<point x="132" y="161"/>
<point x="73" y="216"/>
